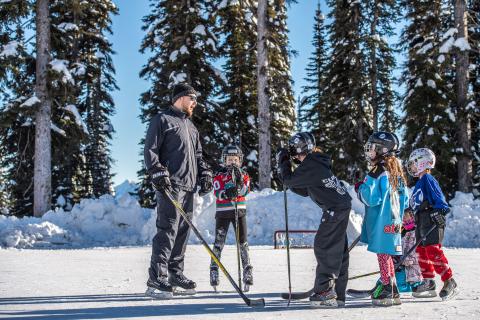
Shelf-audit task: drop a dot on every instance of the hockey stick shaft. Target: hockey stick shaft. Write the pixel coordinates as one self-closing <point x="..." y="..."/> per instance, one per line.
<point x="288" y="244"/>
<point x="250" y="302"/>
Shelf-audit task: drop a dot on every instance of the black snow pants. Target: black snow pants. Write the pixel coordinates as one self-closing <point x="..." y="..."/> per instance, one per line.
<point x="170" y="242"/>
<point x="331" y="252"/>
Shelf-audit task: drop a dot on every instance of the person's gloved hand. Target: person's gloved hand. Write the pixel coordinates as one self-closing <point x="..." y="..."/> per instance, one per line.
<point x="231" y="193"/>
<point x="282" y="156"/>
<point x="438" y="218"/>
<point x="358" y="184"/>
<point x="206" y="183"/>
<point x="161" y="179"/>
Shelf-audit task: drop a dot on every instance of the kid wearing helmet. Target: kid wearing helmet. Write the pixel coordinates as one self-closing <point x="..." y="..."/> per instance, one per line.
<point x="385" y="196"/>
<point x="430" y="208"/>
<point x="231" y="184"/>
<point x="314" y="178"/>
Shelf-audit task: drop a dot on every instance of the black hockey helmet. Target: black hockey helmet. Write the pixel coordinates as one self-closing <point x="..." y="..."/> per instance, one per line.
<point x="381" y="144"/>
<point x="232" y="150"/>
<point x="301" y="143"/>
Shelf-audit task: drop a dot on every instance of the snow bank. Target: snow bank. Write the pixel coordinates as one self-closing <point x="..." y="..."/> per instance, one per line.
<point x="120" y="221"/>
<point x="463" y="224"/>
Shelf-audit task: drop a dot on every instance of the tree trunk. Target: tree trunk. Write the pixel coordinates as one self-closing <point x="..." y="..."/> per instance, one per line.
<point x="43" y="158"/>
<point x="464" y="164"/>
<point x="264" y="140"/>
<point x="373" y="65"/>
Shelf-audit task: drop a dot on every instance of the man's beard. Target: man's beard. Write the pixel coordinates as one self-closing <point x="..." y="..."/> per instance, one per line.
<point x="188" y="111"/>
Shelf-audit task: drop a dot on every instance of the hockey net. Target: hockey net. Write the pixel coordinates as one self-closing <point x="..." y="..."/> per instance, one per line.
<point x="300" y="239"/>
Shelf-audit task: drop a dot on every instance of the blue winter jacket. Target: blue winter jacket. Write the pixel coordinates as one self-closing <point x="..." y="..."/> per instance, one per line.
<point x="383" y="213"/>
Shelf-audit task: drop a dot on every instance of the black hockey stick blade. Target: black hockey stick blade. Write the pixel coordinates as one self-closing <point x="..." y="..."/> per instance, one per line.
<point x="256" y="303"/>
<point x="359" y="293"/>
<point x="297" y="295"/>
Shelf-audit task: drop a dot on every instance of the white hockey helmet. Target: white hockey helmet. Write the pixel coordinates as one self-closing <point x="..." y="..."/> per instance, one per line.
<point x="420" y="160"/>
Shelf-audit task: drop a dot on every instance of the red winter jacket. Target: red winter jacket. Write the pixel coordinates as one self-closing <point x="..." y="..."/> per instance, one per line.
<point x="222" y="181"/>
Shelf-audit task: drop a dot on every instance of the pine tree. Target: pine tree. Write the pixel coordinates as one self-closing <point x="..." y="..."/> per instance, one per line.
<point x="82" y="82"/>
<point x="474" y="30"/>
<point x="282" y="101"/>
<point x="312" y="107"/>
<point x="345" y="93"/>
<point x="429" y="120"/>
<point x="239" y="106"/>
<point x="17" y="109"/>
<point x="380" y="17"/>
<point x="69" y="57"/>
<point x="95" y="101"/>
<point x="182" y="43"/>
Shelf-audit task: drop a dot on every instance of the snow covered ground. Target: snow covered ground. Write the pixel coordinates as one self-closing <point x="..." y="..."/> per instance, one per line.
<point x="106" y="283"/>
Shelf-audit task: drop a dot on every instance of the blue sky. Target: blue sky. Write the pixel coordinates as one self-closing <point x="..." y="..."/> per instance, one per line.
<point x="128" y="62"/>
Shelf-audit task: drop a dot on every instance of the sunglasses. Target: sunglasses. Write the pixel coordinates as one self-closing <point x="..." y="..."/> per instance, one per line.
<point x="193" y="98"/>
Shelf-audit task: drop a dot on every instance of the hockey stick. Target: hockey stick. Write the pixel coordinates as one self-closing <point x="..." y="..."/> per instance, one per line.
<point x="237" y="239"/>
<point x="288" y="245"/>
<point x="306" y="294"/>
<point x="237" y="232"/>
<point x="404" y="256"/>
<point x="250" y="302"/>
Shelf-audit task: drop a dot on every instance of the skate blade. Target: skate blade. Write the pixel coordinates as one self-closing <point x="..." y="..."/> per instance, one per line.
<point x="425" y="294"/>
<point x="383" y="302"/>
<point x="455" y="292"/>
<point x="215" y="289"/>
<point x="183" y="292"/>
<point x="327" y="304"/>
<point x="157" y="294"/>
<point x="246" y="288"/>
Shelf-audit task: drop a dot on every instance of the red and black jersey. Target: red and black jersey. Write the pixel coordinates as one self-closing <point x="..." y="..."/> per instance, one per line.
<point x="223" y="181"/>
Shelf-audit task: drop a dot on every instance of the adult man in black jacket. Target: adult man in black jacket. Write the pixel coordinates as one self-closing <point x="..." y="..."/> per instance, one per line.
<point x="174" y="161"/>
<point x="314" y="178"/>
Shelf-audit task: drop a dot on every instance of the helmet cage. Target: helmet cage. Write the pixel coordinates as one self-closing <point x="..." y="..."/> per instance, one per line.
<point x="232" y="151"/>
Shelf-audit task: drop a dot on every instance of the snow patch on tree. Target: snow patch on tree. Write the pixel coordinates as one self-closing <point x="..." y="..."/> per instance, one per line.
<point x="55" y="128"/>
<point x="462" y="44"/>
<point x="30" y="102"/>
<point x="67" y="26"/>
<point x="78" y="118"/>
<point x="60" y="66"/>
<point x="10" y="49"/>
<point x="200" y="29"/>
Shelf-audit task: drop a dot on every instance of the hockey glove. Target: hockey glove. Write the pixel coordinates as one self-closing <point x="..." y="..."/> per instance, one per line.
<point x="231" y="193"/>
<point x="358" y="184"/>
<point x="237" y="176"/>
<point x="282" y="156"/>
<point x="161" y="180"/>
<point x="206" y="183"/>
<point x="438" y="218"/>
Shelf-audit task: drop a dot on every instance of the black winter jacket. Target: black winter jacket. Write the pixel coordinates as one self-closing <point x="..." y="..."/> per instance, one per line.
<point x="314" y="178"/>
<point x="172" y="142"/>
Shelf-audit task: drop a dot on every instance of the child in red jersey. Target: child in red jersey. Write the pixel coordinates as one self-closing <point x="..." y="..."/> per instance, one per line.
<point x="231" y="184"/>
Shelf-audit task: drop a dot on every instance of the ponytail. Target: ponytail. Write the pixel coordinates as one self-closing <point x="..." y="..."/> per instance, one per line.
<point x="395" y="172"/>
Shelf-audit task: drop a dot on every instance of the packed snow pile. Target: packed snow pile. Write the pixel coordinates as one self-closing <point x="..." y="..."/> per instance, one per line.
<point x="463" y="224"/>
<point x="120" y="221"/>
